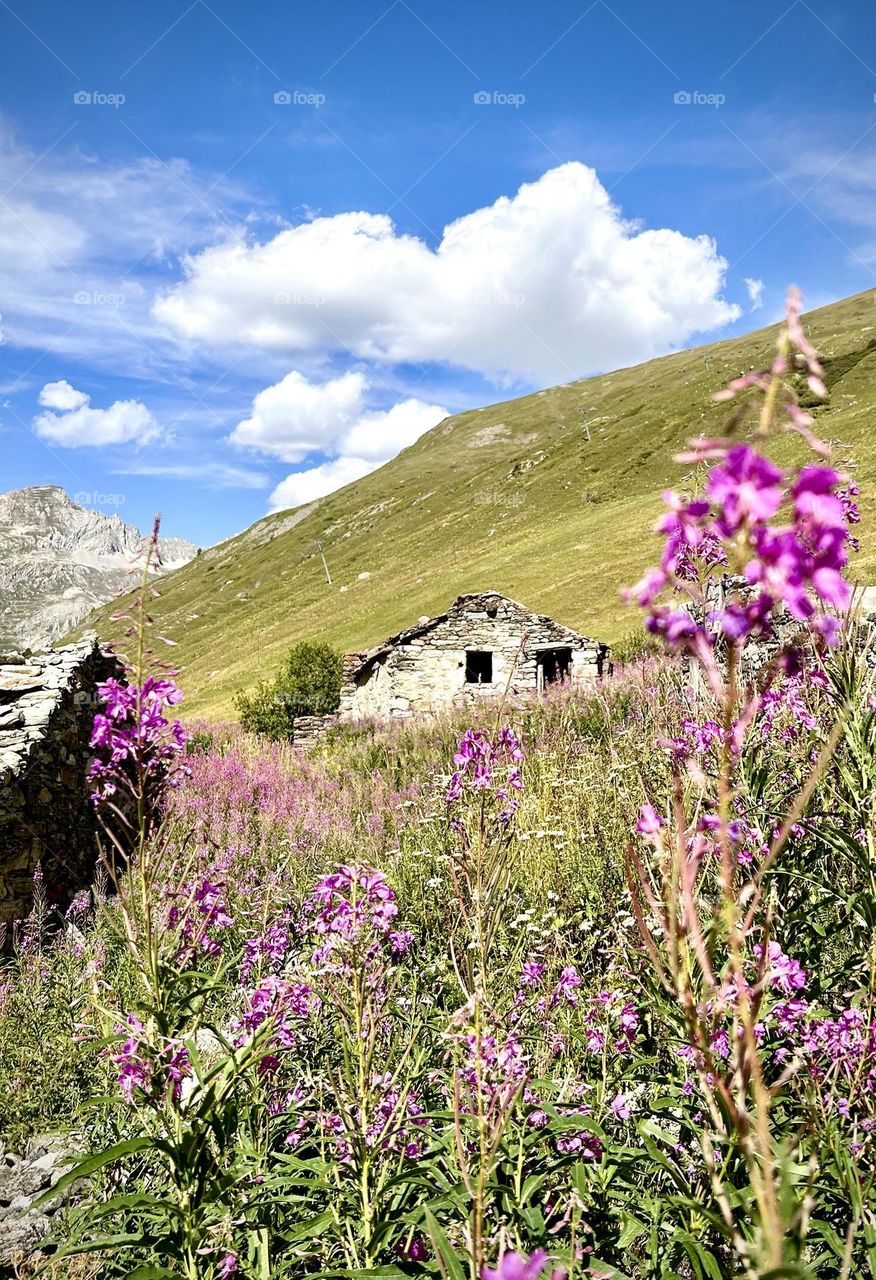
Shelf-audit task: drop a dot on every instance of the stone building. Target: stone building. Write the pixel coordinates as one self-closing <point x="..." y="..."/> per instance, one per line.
<point x="46" y="705"/>
<point x="482" y="645"/>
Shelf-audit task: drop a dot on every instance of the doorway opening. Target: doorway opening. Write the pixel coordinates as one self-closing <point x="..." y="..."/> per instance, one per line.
<point x="554" y="667"/>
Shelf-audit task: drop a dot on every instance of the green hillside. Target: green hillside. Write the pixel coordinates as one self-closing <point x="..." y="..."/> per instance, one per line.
<point x="517" y="497"/>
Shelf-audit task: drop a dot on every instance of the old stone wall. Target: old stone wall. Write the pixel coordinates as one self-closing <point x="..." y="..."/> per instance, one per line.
<point x="309" y="728"/>
<point x="46" y="706"/>
<point x="424" y="669"/>
<point x="787" y="632"/>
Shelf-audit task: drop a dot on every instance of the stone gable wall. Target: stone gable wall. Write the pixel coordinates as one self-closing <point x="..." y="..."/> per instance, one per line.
<point x="424" y="669"/>
<point x="46" y="706"/>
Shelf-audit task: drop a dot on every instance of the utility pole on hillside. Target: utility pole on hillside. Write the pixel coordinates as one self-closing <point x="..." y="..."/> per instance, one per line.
<point x="584" y="423"/>
<point x="318" y="545"/>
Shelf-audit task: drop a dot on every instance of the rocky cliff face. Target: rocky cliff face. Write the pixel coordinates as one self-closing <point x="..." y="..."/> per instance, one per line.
<point x="58" y="561"/>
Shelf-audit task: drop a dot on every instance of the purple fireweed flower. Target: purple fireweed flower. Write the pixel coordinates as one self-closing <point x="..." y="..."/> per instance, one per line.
<point x="287" y="1003"/>
<point x="628" y="1017"/>
<point x="201" y="920"/>
<point x="746" y="487"/>
<point x="482" y="762"/>
<point x="142" y="1067"/>
<point x="416" y="1251"/>
<point x="178" y="1067"/>
<point x="784" y="710"/>
<point x="798" y="566"/>
<point x="565" y="988"/>
<point x="134" y="1071"/>
<point x="79" y="906"/>
<point x="133" y="726"/>
<point x="516" y="1266"/>
<point x="350" y="900"/>
<point x="649" y="822"/>
<point x="267" y="951"/>
<point x="620" y="1107"/>
<point x="401" y="941"/>
<point x="782" y="971"/>
<point x="719" y="1043"/>
<point x="584" y="1144"/>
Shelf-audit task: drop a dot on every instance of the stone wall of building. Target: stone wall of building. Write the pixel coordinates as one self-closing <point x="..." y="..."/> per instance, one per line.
<point x="787" y="632"/>
<point x="46" y="706"/>
<point x="309" y="728"/>
<point x="424" y="669"/>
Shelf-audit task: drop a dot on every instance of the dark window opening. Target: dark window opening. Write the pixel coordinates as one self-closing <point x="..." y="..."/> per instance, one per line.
<point x="554" y="666"/>
<point x="478" y="667"/>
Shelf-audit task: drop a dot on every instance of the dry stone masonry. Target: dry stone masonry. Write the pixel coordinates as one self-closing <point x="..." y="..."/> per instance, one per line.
<point x="787" y="631"/>
<point x="46" y="705"/>
<point x="481" y="645"/>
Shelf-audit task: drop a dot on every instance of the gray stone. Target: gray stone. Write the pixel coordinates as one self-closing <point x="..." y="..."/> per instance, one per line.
<point x="19" y="682"/>
<point x="20" y="1235"/>
<point x="24" y="1180"/>
<point x="46" y="817"/>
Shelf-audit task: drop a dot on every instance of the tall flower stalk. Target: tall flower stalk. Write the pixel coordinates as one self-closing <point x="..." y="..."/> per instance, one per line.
<point x="487" y="776"/>
<point x="760" y="546"/>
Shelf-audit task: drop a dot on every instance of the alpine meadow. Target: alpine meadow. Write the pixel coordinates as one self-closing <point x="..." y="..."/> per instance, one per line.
<point x="580" y="981"/>
<point x="438" y="640"/>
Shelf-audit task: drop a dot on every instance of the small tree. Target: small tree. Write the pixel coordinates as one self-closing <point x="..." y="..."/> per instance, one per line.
<point x="307" y="684"/>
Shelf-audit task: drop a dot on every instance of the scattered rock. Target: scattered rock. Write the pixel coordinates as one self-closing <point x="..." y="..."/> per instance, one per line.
<point x="22" y="1181"/>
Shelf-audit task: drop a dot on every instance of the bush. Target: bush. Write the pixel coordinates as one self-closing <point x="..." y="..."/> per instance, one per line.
<point x="308" y="684"/>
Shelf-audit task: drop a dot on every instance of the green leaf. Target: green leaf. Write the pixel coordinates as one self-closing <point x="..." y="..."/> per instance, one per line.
<point x="92" y="1163"/>
<point x="443" y="1247"/>
<point x="631" y="1231"/>
<point x="99" y="1245"/>
<point x="312" y="1227"/>
<point x="151" y="1271"/>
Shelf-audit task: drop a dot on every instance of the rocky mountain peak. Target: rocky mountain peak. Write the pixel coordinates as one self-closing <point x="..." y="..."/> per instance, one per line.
<point x="59" y="560"/>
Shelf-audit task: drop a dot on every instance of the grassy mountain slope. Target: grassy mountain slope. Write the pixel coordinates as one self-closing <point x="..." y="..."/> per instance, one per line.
<point x="513" y="497"/>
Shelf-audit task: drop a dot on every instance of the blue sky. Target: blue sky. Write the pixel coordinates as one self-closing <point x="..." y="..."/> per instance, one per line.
<point x="250" y="251"/>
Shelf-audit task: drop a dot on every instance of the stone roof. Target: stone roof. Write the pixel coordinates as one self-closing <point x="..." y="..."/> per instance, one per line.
<point x="359" y="662"/>
<point x="31" y="690"/>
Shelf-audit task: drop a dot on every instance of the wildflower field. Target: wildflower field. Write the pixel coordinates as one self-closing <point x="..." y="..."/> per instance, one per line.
<point x="580" y="985"/>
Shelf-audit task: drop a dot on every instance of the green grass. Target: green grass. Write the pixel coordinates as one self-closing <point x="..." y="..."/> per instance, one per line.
<point x="512" y="498"/>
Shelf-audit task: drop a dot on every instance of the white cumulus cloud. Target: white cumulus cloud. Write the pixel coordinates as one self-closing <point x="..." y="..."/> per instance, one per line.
<point x="550" y="283"/>
<point x="379" y="436"/>
<point x="755" y="289"/>
<point x="60" y="395"/>
<point x="316" y="482"/>
<point x="73" y="423"/>
<point x="296" y="417"/>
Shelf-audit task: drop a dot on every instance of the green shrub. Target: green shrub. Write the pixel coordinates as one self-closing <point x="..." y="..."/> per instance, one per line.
<point x="636" y="646"/>
<point x="307" y="684"/>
